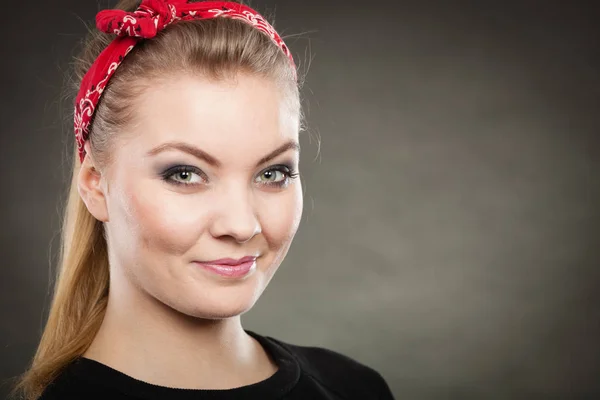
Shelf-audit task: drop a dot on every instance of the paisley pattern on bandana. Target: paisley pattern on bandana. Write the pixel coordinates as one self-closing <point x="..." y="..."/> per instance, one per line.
<point x="151" y="17"/>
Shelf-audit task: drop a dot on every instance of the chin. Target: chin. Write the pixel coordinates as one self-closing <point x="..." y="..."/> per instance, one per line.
<point x="218" y="311"/>
<point x="219" y="302"/>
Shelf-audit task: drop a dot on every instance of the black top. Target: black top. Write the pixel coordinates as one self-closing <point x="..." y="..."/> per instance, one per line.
<point x="304" y="373"/>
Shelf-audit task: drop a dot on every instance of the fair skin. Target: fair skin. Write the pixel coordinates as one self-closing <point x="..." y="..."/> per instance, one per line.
<point x="168" y="321"/>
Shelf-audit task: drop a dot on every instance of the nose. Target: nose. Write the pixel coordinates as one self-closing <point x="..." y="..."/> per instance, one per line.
<point x="235" y="217"/>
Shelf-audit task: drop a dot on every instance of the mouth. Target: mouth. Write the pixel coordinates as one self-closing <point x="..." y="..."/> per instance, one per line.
<point x="231" y="262"/>
<point x="230" y="267"/>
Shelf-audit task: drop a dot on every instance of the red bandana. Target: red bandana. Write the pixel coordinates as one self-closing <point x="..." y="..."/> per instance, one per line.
<point x="151" y="17"/>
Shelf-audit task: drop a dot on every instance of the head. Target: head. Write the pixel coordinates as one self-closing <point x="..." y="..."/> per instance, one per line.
<point x="198" y="163"/>
<point x="192" y="156"/>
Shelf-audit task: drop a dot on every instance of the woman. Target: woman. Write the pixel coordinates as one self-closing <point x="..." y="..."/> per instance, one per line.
<point x="184" y="200"/>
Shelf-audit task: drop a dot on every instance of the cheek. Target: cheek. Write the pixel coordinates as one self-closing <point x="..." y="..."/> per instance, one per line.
<point x="280" y="219"/>
<point x="160" y="220"/>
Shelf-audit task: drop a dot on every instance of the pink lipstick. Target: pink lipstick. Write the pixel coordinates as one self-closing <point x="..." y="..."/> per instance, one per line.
<point x="230" y="267"/>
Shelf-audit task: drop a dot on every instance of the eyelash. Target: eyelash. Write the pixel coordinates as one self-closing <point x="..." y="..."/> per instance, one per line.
<point x="286" y="170"/>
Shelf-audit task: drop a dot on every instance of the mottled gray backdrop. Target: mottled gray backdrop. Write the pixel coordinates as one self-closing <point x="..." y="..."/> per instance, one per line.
<point x="450" y="235"/>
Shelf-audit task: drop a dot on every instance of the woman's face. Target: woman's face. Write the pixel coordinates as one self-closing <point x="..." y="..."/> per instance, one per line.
<point x="207" y="171"/>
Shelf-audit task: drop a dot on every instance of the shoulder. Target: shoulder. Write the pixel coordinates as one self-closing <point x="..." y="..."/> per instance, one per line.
<point x="337" y="371"/>
<point x="70" y="385"/>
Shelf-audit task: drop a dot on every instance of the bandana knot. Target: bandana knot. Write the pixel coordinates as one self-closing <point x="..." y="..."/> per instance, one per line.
<point x="151" y="17"/>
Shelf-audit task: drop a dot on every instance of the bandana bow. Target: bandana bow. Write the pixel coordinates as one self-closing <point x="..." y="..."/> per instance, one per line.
<point x="151" y="17"/>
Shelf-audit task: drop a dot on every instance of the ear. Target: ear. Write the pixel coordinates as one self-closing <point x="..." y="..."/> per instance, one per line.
<point x="89" y="186"/>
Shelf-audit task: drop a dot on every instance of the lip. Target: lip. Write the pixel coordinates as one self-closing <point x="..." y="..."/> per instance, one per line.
<point x="230" y="267"/>
<point x="229" y="261"/>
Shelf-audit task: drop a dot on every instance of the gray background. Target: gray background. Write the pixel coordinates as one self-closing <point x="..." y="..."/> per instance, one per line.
<point x="451" y="220"/>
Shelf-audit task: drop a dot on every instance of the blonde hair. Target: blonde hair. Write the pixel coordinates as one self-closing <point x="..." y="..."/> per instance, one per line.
<point x="218" y="49"/>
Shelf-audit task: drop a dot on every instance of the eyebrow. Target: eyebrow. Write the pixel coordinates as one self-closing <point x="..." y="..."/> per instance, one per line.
<point x="202" y="155"/>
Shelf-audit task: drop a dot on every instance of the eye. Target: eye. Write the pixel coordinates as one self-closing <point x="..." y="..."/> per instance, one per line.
<point x="278" y="176"/>
<point x="272" y="175"/>
<point x="184" y="175"/>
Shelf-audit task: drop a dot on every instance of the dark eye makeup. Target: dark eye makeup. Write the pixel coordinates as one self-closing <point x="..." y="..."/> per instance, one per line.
<point x="181" y="175"/>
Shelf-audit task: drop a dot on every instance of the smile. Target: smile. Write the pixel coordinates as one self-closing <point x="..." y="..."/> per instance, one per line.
<point x="229" y="267"/>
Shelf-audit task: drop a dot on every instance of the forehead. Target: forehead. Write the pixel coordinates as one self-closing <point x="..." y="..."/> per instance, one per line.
<point x="245" y="115"/>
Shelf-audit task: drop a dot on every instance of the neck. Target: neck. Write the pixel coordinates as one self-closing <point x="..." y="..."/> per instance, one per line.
<point x="150" y="341"/>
